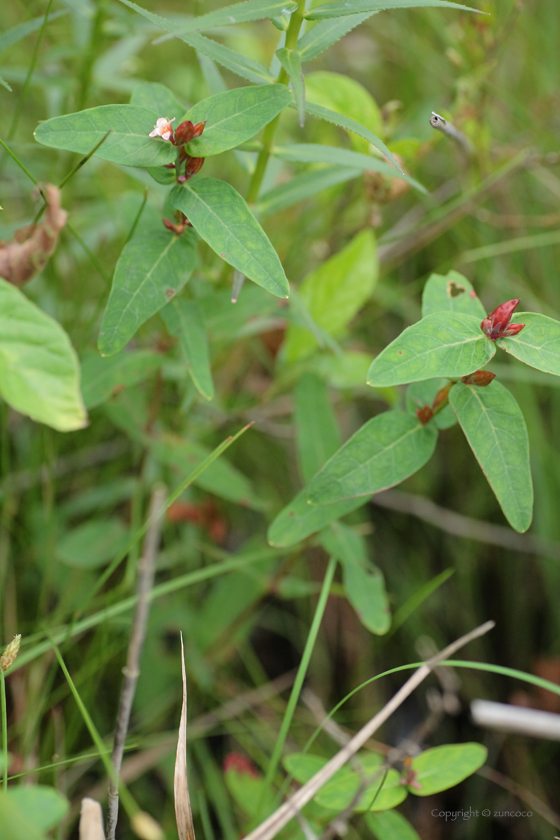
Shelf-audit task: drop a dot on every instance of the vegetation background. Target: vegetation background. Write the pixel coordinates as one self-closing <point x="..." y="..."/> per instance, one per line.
<point x="71" y="501"/>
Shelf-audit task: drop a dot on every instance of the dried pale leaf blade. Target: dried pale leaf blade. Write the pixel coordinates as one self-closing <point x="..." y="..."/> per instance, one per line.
<point x="29" y="252"/>
<point x="183" y="813"/>
<point x="91" y="820"/>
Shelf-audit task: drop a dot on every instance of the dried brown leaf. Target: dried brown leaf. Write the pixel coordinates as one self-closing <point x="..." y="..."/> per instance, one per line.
<point x="32" y="246"/>
<point x="183" y="813"/>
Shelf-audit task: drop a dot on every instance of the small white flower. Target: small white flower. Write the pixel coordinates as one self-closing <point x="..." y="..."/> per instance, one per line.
<point x="162" y="128"/>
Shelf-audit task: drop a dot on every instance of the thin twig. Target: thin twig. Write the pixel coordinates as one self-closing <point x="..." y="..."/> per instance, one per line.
<point x="463" y="526"/>
<point x="146" y="571"/>
<point x="274" y="824"/>
<point x="447" y="128"/>
<point x="521" y="793"/>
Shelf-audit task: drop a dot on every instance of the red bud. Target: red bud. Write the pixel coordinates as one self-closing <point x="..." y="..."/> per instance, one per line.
<point x="424" y="414"/>
<point x="198" y="129"/>
<point x="480" y="378"/>
<point x="192" y="166"/>
<point x="187" y="131"/>
<point x="239" y="764"/>
<point x="497" y="325"/>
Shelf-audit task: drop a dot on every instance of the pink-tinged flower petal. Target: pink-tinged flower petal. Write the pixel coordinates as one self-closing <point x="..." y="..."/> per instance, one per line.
<point x="163" y="128"/>
<point x="513" y="329"/>
<point x="496" y="322"/>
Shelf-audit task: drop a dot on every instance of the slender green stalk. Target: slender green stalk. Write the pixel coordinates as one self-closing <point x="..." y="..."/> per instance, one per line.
<point x="19" y="163"/>
<point x="95" y="262"/>
<point x="137" y="217"/>
<point x="298" y="683"/>
<point x="23" y="94"/>
<point x="292" y="35"/>
<point x="4" y="730"/>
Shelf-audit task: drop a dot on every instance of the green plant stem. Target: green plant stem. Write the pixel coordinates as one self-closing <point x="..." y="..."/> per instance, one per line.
<point x="292" y="35"/>
<point x="298" y="683"/>
<point x="4" y="730"/>
<point x="19" y="163"/>
<point x="23" y="94"/>
<point x="89" y="253"/>
<point x="137" y="217"/>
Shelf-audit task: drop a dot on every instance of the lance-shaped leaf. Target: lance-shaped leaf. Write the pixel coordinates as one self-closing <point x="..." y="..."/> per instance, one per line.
<point x="39" y="370"/>
<point x="323" y="35"/>
<point x="353" y="126"/>
<point x="364" y="583"/>
<point x="291" y="62"/>
<point x="495" y="429"/>
<point x="222" y="218"/>
<point x="441" y="768"/>
<point x="299" y="520"/>
<point x="442" y="344"/>
<point x="159" y="99"/>
<point x="184" y="319"/>
<point x="128" y="143"/>
<point x="149" y="273"/>
<point x="451" y="293"/>
<point x="538" y="344"/>
<point x="390" y="825"/>
<point x="341" y="8"/>
<point x="385" y="451"/>
<point x="16" y="33"/>
<point x="238" y="13"/>
<point x="303" y="186"/>
<point x="234" y="61"/>
<point x="235" y="116"/>
<point x="103" y="377"/>
<point x="319" y="153"/>
<point x="317" y="433"/>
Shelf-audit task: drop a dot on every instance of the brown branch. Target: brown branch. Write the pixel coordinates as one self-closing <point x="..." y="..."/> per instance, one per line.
<point x="463" y="526"/>
<point x="145" y="581"/>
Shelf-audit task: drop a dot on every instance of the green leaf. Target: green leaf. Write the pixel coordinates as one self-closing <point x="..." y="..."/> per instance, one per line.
<point x="128" y="143"/>
<point x="301" y="187"/>
<point x="442" y="344"/>
<point x="39" y="370"/>
<point x="235" y="116"/>
<point x="323" y="35"/>
<point x="248" y="790"/>
<point x="352" y="126"/>
<point x="334" y="293"/>
<point x="103" y="377"/>
<point x="234" y="61"/>
<point x="93" y="544"/>
<point x="385" y="451"/>
<point x="341" y="790"/>
<point x="451" y="293"/>
<point x="15" y="823"/>
<point x="291" y="62"/>
<point x="185" y="320"/>
<point x="444" y="767"/>
<point x="364" y="583"/>
<point x="159" y="99"/>
<point x="390" y="825"/>
<point x="348" y="370"/>
<point x="341" y="100"/>
<point x="317" y="434"/>
<point x="5" y="84"/>
<point x="299" y="520"/>
<point x="495" y="429"/>
<point x="43" y="806"/>
<point x="220" y="478"/>
<point x="342" y="7"/>
<point x="319" y="153"/>
<point x="238" y="13"/>
<point x="17" y="33"/>
<point x="149" y="273"/>
<point x="222" y="218"/>
<point x="538" y="344"/>
<point x="423" y="393"/>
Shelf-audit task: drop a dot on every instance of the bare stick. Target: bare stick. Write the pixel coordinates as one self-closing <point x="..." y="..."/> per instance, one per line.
<point x="145" y="581"/>
<point x="443" y="125"/>
<point x="271" y="826"/>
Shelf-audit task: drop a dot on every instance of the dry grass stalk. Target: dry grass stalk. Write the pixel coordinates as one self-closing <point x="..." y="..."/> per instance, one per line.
<point x="91" y="820"/>
<point x="286" y="812"/>
<point x="183" y="812"/>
